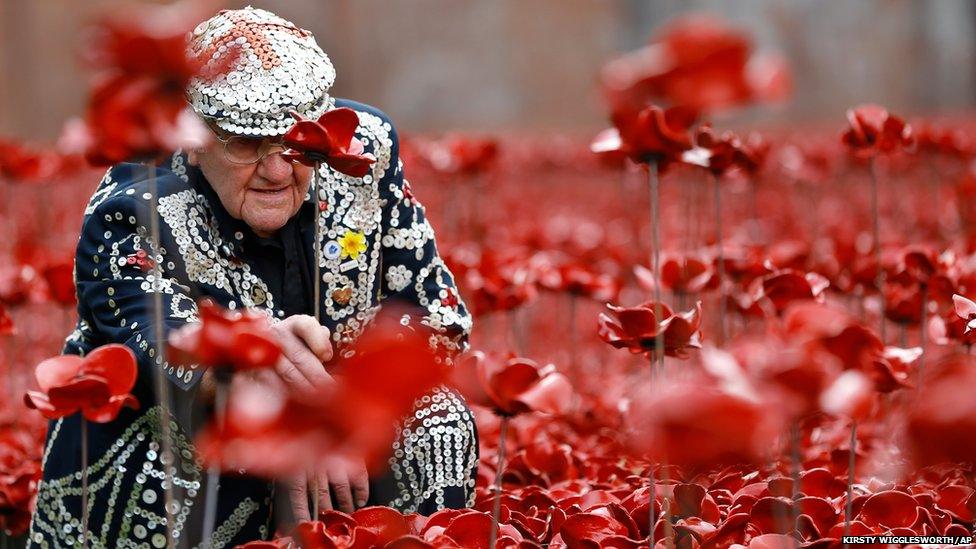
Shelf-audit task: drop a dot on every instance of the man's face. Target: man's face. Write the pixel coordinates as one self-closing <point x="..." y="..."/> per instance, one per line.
<point x="265" y="195"/>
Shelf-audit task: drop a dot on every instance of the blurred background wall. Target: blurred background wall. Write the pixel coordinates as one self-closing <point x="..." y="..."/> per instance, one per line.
<point x="531" y="65"/>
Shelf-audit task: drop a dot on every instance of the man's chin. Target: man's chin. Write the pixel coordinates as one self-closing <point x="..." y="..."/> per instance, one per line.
<point x="266" y="227"/>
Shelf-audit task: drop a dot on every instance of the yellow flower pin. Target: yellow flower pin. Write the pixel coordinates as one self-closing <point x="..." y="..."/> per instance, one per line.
<point x="352" y="243"/>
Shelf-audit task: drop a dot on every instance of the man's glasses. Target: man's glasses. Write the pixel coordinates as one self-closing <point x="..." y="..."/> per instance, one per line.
<point x="240" y="149"/>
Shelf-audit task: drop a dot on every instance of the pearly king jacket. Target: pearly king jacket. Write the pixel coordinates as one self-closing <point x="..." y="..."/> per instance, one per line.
<point x="204" y="253"/>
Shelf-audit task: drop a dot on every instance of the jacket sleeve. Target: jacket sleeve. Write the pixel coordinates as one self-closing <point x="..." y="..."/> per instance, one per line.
<point x="116" y="286"/>
<point x="412" y="270"/>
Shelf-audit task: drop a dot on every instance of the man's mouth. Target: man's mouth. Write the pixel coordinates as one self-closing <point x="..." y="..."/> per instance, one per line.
<point x="271" y="191"/>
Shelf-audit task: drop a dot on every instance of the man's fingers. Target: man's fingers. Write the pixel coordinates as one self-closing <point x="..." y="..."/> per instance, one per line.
<point x="292" y="377"/>
<point x="315" y="336"/>
<point x="359" y="479"/>
<point x="311" y="368"/>
<point x="298" y="497"/>
<point x="339" y="482"/>
<point x="321" y="482"/>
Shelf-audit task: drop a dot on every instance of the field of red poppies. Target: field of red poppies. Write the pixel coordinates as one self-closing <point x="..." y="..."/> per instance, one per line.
<point x="685" y="335"/>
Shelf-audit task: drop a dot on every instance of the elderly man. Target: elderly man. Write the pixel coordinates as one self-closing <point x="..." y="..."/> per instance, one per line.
<point x="237" y="225"/>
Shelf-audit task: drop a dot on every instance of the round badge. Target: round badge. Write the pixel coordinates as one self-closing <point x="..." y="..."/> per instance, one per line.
<point x="332" y="249"/>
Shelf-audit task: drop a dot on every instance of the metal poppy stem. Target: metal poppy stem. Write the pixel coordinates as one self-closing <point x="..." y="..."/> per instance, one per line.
<point x="850" y="481"/>
<point x="655" y="197"/>
<point x="666" y="507"/>
<point x="213" y="472"/>
<point x="795" y="468"/>
<point x="652" y="499"/>
<point x="717" y="192"/>
<point x="162" y="386"/>
<point x="84" y="482"/>
<point x="317" y="306"/>
<point x="876" y="227"/>
<point x="573" y="336"/>
<point x="922" y="336"/>
<point x="497" y="505"/>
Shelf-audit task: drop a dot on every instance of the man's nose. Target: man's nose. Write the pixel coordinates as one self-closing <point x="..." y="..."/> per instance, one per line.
<point x="275" y="168"/>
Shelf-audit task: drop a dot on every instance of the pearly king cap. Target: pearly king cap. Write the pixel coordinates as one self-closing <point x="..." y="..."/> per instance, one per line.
<point x="276" y="67"/>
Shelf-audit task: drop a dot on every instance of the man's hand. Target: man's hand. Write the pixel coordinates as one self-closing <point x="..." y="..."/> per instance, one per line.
<point x="305" y="348"/>
<point x="345" y="479"/>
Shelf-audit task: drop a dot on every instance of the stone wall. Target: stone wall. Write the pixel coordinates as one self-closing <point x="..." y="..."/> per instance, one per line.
<point x="531" y="64"/>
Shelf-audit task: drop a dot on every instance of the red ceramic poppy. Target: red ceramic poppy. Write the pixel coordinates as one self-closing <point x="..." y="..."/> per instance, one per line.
<point x="720" y="153"/>
<point x="782" y="288"/>
<point x="97" y="385"/>
<point x="385" y="523"/>
<point x="493" y="280"/>
<point x="597" y="529"/>
<point x="315" y="535"/>
<point x="226" y="339"/>
<point x="872" y="130"/>
<point x="966" y="310"/>
<point x="330" y="139"/>
<point x="512" y="386"/>
<point x="949" y="327"/>
<point x="636" y="329"/>
<point x="889" y="509"/>
<point x="649" y="135"/>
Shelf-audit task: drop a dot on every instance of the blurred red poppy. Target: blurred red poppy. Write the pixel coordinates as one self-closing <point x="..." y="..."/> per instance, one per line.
<point x="782" y="288"/>
<point x="636" y="329"/>
<point x="493" y="280"/>
<point x="6" y="323"/>
<point x="720" y="152"/>
<point x="680" y="274"/>
<point x="650" y="135"/>
<point x="942" y="419"/>
<point x="138" y="106"/>
<point x="20" y="471"/>
<point x="18" y="162"/>
<point x="698" y="61"/>
<point x="851" y="395"/>
<point x="460" y="154"/>
<point x="60" y="280"/>
<point x="694" y="422"/>
<point x="579" y="280"/>
<point x="331" y="139"/>
<point x="226" y="339"/>
<point x="873" y="130"/>
<point x="513" y="385"/>
<point x="98" y="385"/>
<point x="270" y="432"/>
